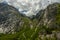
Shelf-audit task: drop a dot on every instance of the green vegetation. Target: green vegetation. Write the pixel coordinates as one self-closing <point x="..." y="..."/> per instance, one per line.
<point x="28" y="34"/>
<point x="58" y="15"/>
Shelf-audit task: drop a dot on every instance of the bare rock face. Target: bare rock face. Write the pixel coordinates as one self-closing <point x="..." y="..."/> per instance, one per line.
<point x="58" y="35"/>
<point x="9" y="19"/>
<point x="47" y="17"/>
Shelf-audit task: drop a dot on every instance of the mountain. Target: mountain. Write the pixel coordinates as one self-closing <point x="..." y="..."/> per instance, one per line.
<point x="11" y="20"/>
<point x="48" y="16"/>
<point x="8" y="18"/>
<point x="15" y="26"/>
<point x="29" y="7"/>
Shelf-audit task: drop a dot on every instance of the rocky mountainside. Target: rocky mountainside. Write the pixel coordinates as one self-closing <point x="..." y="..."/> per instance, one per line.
<point x="15" y="26"/>
<point x="9" y="20"/>
<point x="47" y="16"/>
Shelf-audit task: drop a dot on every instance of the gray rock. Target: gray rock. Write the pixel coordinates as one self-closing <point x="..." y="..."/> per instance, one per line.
<point x="9" y="20"/>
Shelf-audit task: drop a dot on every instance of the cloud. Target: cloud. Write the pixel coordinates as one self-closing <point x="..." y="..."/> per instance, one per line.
<point x="29" y="7"/>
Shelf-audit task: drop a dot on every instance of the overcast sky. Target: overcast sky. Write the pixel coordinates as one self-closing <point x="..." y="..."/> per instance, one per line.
<point x="29" y="7"/>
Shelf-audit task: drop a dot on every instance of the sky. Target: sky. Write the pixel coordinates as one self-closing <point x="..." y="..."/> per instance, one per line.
<point x="29" y="7"/>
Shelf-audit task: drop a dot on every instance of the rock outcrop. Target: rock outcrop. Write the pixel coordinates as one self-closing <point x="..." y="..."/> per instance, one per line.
<point x="9" y="20"/>
<point x="47" y="16"/>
